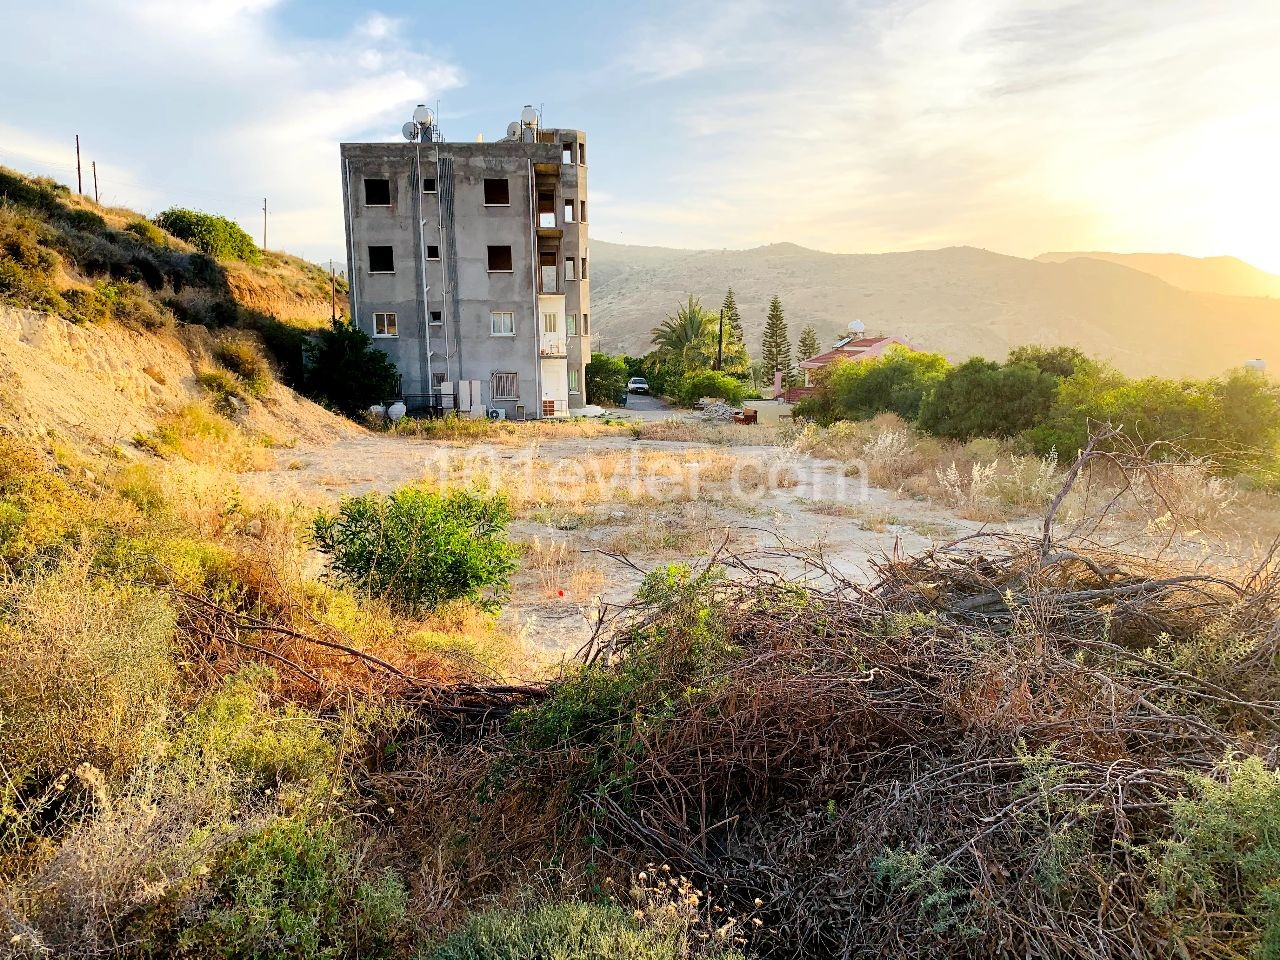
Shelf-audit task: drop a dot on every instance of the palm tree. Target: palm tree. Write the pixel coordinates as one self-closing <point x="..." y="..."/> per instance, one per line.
<point x="681" y="339"/>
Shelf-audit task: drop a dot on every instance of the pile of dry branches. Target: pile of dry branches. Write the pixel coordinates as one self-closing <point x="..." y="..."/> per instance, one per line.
<point x="977" y="754"/>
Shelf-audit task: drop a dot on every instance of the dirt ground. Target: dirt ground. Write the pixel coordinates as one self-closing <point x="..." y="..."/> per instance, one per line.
<point x="656" y="502"/>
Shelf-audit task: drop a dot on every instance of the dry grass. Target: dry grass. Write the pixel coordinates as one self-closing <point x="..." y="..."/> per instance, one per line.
<point x="564" y="569"/>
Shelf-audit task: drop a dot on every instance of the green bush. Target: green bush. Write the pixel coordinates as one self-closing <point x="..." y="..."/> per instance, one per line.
<point x="86" y="306"/>
<point x="606" y="379"/>
<point x="568" y="931"/>
<point x="131" y="306"/>
<point x="148" y="232"/>
<point x="419" y="549"/>
<point x="709" y="383"/>
<point x="1232" y="420"/>
<point x="243" y="357"/>
<point x="859" y="389"/>
<point x="346" y="371"/>
<point x="296" y="889"/>
<point x="984" y="399"/>
<point x="38" y="193"/>
<point x="28" y="267"/>
<point x="235" y="726"/>
<point x="209" y="233"/>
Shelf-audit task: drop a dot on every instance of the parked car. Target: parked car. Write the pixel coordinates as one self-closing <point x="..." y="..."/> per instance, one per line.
<point x="637" y="385"/>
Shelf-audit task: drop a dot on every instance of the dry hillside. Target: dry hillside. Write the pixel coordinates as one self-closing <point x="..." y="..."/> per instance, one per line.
<point x="960" y="301"/>
<point x="110" y="328"/>
<point x="1226" y="275"/>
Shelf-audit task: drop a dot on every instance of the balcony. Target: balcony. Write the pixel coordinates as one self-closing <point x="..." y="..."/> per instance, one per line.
<point x="553" y="350"/>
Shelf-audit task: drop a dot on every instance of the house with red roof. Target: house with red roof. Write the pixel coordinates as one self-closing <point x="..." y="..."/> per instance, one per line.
<point x="857" y="347"/>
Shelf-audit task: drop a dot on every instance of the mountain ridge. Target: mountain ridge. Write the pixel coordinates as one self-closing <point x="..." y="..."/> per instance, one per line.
<point x="961" y="301"/>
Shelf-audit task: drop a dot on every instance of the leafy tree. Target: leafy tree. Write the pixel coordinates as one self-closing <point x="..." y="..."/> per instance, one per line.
<point x="209" y="233"/>
<point x="859" y="389"/>
<point x="984" y="399"/>
<point x="419" y="549"/>
<point x="346" y="371"/>
<point x="1060" y="361"/>
<point x="607" y="379"/>
<point x="709" y="383"/>
<point x="681" y="340"/>
<point x="808" y="345"/>
<point x="775" y="349"/>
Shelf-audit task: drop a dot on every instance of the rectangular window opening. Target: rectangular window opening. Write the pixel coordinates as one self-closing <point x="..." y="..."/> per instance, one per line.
<point x="582" y="154"/>
<point x="582" y="215"/>
<point x="428" y="184"/>
<point x="586" y="327"/>
<point x="571" y="324"/>
<point x="570" y="268"/>
<point x="496" y="192"/>
<point x="505" y="386"/>
<point x="568" y="210"/>
<point x="433" y="252"/>
<point x="382" y="260"/>
<point x="377" y="192"/>
<point x="573" y="381"/>
<point x="502" y="323"/>
<point x="384" y="325"/>
<point x="500" y="259"/>
<point x="437" y="317"/>
<point x="583" y="274"/>
<point x="550" y="322"/>
<point x="566" y="153"/>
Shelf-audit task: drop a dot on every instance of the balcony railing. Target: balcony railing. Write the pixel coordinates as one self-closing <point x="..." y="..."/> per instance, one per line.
<point x="553" y="349"/>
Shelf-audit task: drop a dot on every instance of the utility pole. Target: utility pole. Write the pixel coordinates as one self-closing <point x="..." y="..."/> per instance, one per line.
<point x="94" y="164"/>
<point x="333" y="294"/>
<point x="79" y="179"/>
<point x="264" y="223"/>
<point x="720" y="343"/>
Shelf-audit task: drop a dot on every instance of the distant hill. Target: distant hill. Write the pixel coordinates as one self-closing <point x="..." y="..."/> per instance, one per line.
<point x="960" y="301"/>
<point x="1226" y="275"/>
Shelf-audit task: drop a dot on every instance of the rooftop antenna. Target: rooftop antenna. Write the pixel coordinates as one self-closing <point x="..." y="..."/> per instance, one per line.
<point x="422" y="127"/>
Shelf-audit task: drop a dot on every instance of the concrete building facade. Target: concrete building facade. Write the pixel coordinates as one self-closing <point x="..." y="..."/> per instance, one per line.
<point x="468" y="265"/>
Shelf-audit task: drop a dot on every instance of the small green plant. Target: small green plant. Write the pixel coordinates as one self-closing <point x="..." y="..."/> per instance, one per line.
<point x="147" y="231"/>
<point x="209" y="233"/>
<point x="296" y="889"/>
<point x="568" y="931"/>
<point x="225" y="391"/>
<point x="419" y="549"/>
<point x="943" y="903"/>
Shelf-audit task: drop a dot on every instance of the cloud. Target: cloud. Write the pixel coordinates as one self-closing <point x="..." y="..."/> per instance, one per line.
<point x="213" y="103"/>
<point x="1015" y="124"/>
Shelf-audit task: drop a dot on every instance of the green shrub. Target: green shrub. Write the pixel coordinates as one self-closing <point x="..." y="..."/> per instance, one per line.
<point x="132" y="306"/>
<point x="80" y="219"/>
<point x="296" y="889"/>
<point x="1221" y="866"/>
<point x="568" y="931"/>
<point x="225" y="391"/>
<point x="347" y="372"/>
<point x="148" y="232"/>
<point x="419" y="549"/>
<point x="236" y="726"/>
<point x="243" y="357"/>
<point x="606" y="379"/>
<point x="41" y="514"/>
<point x="38" y="193"/>
<point x="86" y="306"/>
<point x="984" y="399"/>
<point x="28" y="267"/>
<point x="209" y="233"/>
<point x="709" y="383"/>
<point x="859" y="389"/>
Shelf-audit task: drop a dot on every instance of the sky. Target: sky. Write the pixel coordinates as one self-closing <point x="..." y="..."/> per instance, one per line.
<point x="851" y="126"/>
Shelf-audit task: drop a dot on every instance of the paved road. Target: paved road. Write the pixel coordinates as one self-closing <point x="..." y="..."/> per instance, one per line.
<point x="646" y="403"/>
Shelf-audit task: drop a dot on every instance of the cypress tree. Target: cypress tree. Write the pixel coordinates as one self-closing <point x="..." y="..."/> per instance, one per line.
<point x="808" y="346"/>
<point x="775" y="349"/>
<point x="736" y="360"/>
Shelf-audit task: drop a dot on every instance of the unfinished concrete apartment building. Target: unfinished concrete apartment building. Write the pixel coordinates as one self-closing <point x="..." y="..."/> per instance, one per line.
<point x="468" y="265"/>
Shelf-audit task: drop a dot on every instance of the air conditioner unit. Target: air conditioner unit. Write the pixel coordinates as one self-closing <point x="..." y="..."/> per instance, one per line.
<point x="497" y="413"/>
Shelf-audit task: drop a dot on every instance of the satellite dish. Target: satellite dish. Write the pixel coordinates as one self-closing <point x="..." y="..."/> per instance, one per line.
<point x="422" y="115"/>
<point x="410" y="131"/>
<point x="513" y="130"/>
<point x="396" y="411"/>
<point x="857" y="326"/>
